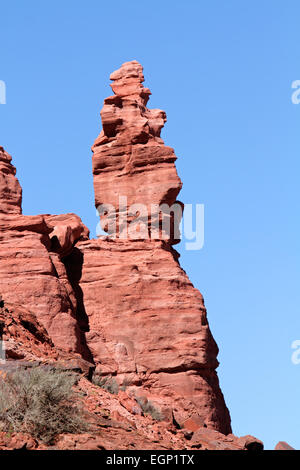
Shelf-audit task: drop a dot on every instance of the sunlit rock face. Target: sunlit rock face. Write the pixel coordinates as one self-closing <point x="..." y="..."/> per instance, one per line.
<point x="32" y="274"/>
<point x="10" y="189"/>
<point x="133" y="170"/>
<point x="121" y="302"/>
<point x="147" y="323"/>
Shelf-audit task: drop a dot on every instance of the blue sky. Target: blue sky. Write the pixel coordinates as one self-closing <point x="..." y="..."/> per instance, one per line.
<point x="223" y="72"/>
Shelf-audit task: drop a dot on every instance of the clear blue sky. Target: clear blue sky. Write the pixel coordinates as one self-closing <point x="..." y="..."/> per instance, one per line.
<point x="223" y="72"/>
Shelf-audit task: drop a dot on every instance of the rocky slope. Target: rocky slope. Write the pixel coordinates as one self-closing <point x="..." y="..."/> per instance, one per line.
<point x="119" y="306"/>
<point x="118" y="419"/>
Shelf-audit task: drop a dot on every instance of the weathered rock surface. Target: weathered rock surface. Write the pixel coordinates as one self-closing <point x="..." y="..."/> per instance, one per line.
<point x="10" y="189"/>
<point x="282" y="445"/>
<point x="147" y="323"/>
<point x="66" y="230"/>
<point x="17" y="441"/>
<point x="28" y="344"/>
<point x="131" y="161"/>
<point x="120" y="304"/>
<point x="148" y="327"/>
<point x="32" y="274"/>
<point x="117" y="421"/>
<point x="114" y="425"/>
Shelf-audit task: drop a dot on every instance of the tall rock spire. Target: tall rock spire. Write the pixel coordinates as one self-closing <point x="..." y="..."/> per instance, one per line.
<point x="147" y="324"/>
<point x="10" y="189"/>
<point x="131" y="162"/>
<point x="125" y="306"/>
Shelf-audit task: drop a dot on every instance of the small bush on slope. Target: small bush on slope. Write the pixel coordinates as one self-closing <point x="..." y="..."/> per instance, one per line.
<point x="107" y="383"/>
<point x="149" y="409"/>
<point x="40" y="401"/>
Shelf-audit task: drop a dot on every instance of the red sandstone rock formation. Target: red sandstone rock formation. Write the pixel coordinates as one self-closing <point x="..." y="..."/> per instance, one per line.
<point x="116" y="421"/>
<point x="147" y="323"/>
<point x="130" y="159"/>
<point x="10" y="189"/>
<point x="27" y="343"/>
<point x="282" y="445"/>
<point x="122" y="303"/>
<point x="118" y="427"/>
<point x="32" y="274"/>
<point x="148" y="327"/>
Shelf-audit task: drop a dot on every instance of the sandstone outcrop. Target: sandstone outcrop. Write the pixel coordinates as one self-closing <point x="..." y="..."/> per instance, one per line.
<point x="28" y="344"/>
<point x="148" y="327"/>
<point x="10" y="189"/>
<point x="147" y="323"/>
<point x="118" y="428"/>
<point x="117" y="421"/>
<point x="32" y="274"/>
<point x="133" y="170"/>
<point x="282" y="445"/>
<point x="120" y="305"/>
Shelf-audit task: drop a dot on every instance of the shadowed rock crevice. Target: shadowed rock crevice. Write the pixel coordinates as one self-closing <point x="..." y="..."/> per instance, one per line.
<point x="73" y="264"/>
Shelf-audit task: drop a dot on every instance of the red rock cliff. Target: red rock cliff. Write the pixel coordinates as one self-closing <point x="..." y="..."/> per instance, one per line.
<point x="32" y="274"/>
<point x="121" y="302"/>
<point x="147" y="323"/>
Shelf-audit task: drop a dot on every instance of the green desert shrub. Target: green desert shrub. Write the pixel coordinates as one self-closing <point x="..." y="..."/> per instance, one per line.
<point x="149" y="409"/>
<point x="41" y="402"/>
<point x="108" y="383"/>
<point x="126" y="383"/>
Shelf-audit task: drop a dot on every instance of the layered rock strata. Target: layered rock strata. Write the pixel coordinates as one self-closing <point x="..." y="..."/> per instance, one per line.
<point x="10" y="189"/>
<point x="134" y="172"/>
<point x="122" y="301"/>
<point x="32" y="274"/>
<point x="147" y="323"/>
